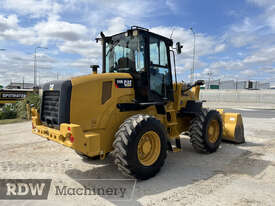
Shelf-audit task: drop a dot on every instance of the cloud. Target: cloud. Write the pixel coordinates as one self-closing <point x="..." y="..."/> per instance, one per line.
<point x="172" y="5"/>
<point x="122" y="8"/>
<point x="21" y="64"/>
<point x="24" y="36"/>
<point x="219" y="48"/>
<point x="268" y="17"/>
<point x="68" y="28"/>
<point x="84" y="48"/>
<point x="17" y="65"/>
<point x="248" y="72"/>
<point x="262" y="57"/>
<point x="41" y="33"/>
<point x="205" y="45"/>
<point x="243" y="33"/>
<point x="34" y="8"/>
<point x="8" y="22"/>
<point x="268" y="70"/>
<point x="10" y="30"/>
<point x="85" y="63"/>
<point x="221" y="68"/>
<point x="116" y="25"/>
<point x="262" y="3"/>
<point x="247" y="67"/>
<point x="60" y="30"/>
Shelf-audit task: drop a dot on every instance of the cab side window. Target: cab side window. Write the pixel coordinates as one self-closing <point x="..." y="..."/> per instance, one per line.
<point x="160" y="80"/>
<point x="158" y="52"/>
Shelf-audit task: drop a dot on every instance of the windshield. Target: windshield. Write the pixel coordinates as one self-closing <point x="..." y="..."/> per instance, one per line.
<point x="125" y="54"/>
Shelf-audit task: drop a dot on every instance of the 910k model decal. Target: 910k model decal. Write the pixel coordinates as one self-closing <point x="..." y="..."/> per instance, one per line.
<point x="124" y="83"/>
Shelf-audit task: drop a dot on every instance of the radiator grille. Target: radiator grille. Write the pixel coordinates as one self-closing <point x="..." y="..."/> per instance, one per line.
<point x="50" y="107"/>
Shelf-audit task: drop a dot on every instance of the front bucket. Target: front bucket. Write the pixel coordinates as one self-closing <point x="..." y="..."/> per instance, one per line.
<point x="233" y="129"/>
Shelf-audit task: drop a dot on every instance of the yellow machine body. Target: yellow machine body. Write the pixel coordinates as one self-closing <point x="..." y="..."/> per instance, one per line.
<point x="132" y="108"/>
<point x="95" y="117"/>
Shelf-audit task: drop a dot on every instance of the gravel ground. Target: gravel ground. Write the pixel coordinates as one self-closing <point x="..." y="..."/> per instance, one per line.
<point x="234" y="175"/>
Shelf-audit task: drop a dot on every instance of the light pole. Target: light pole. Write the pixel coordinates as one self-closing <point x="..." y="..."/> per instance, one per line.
<point x="35" y="66"/>
<point x="194" y="52"/>
<point x="2" y="50"/>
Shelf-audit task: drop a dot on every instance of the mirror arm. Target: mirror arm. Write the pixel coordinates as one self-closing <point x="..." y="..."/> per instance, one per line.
<point x="175" y="71"/>
<point x="197" y="83"/>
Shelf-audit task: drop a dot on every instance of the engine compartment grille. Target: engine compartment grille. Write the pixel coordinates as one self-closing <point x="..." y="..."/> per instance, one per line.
<point x="50" y="107"/>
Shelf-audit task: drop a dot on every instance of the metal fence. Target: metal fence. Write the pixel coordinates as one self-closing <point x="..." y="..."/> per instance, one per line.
<point x="235" y="84"/>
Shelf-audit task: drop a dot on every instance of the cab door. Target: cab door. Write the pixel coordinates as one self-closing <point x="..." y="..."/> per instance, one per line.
<point x="159" y="74"/>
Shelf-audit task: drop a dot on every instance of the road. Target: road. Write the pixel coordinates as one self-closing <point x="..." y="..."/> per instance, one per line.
<point x="253" y="113"/>
<point x="234" y="175"/>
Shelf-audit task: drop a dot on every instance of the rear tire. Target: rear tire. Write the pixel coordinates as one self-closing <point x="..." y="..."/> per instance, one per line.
<point x="201" y="138"/>
<point x="140" y="146"/>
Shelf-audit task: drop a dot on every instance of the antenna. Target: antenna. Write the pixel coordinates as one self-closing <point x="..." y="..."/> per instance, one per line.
<point x="172" y="33"/>
<point x="194" y="52"/>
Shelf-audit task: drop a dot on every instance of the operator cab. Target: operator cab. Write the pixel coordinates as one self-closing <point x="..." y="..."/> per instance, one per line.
<point x="145" y="56"/>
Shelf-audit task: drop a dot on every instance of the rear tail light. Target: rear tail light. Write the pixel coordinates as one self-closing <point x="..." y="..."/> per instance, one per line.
<point x="71" y="138"/>
<point x="33" y="126"/>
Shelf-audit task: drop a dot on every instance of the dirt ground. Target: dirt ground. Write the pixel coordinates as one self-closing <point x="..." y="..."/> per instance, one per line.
<point x="234" y="175"/>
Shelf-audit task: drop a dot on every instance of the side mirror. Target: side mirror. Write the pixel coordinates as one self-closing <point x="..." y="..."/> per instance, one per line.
<point x="94" y="67"/>
<point x="178" y="47"/>
<point x="199" y="82"/>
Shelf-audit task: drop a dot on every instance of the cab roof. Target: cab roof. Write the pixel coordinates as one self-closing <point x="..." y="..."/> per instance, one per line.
<point x="144" y="31"/>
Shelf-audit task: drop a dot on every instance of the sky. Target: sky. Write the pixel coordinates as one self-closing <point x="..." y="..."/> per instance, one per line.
<point x="234" y="39"/>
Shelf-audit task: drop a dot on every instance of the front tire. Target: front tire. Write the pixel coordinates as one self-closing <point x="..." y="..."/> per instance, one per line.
<point x="206" y="131"/>
<point x="140" y="146"/>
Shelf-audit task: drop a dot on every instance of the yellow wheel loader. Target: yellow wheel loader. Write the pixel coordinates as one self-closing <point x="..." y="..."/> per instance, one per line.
<point x="132" y="108"/>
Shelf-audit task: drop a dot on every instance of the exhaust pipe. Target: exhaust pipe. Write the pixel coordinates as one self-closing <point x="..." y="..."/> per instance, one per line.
<point x="94" y="68"/>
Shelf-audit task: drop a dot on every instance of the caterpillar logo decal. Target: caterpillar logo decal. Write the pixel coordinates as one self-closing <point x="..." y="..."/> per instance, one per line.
<point x="124" y="83"/>
<point x="51" y="87"/>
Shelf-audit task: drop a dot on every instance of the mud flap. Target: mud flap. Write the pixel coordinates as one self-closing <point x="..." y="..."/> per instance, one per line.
<point x="233" y="130"/>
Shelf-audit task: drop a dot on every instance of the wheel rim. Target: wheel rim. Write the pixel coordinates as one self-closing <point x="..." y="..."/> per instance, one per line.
<point x="148" y="148"/>
<point x="213" y="131"/>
